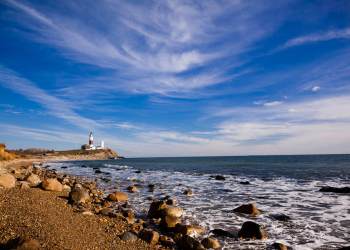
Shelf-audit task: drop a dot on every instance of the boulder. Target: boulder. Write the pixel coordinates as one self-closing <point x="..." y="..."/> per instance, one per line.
<point x="149" y="236"/>
<point x="129" y="236"/>
<point x="220" y="178"/>
<point x="252" y="230"/>
<point x="223" y="233"/>
<point x="156" y="209"/>
<point x="247" y="209"/>
<point x="192" y="230"/>
<point x="280" y="217"/>
<point x="52" y="184"/>
<point x="79" y="195"/>
<point x="169" y="222"/>
<point x="7" y="181"/>
<point x="132" y="189"/>
<point x="244" y="182"/>
<point x="189" y="243"/>
<point x="118" y="196"/>
<point x="279" y="246"/>
<point x="151" y="187"/>
<point x="188" y="192"/>
<point x="211" y="243"/>
<point x="341" y="190"/>
<point x="173" y="211"/>
<point x="167" y="241"/>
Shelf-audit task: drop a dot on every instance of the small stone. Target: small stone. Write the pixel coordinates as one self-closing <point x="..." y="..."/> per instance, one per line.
<point x="192" y="230"/>
<point x="279" y="246"/>
<point x="52" y="184"/>
<point x="211" y="243"/>
<point x="149" y="236"/>
<point x="247" y="209"/>
<point x="252" y="230"/>
<point x="167" y="241"/>
<point x="28" y="244"/>
<point x="188" y="192"/>
<point x="7" y="181"/>
<point x="129" y="236"/>
<point x="33" y="180"/>
<point x="223" y="233"/>
<point x="132" y="189"/>
<point x="151" y="187"/>
<point x="280" y="217"/>
<point x="24" y="185"/>
<point x="106" y="211"/>
<point x="129" y="216"/>
<point x="244" y="182"/>
<point x="173" y="211"/>
<point x="169" y="222"/>
<point x="189" y="243"/>
<point x="87" y="213"/>
<point x="220" y="178"/>
<point x="118" y="196"/>
<point x="341" y="190"/>
<point x="156" y="209"/>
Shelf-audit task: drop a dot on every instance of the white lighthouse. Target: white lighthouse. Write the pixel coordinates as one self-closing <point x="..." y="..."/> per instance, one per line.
<point x="91" y="139"/>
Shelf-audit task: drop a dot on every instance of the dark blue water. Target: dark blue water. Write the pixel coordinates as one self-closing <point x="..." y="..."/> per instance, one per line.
<point x="296" y="166"/>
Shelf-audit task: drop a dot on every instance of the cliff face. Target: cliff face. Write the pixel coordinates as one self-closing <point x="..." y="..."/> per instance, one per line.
<point x="100" y="154"/>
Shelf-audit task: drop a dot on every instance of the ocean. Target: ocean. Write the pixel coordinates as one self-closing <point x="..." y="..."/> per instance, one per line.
<point x="278" y="185"/>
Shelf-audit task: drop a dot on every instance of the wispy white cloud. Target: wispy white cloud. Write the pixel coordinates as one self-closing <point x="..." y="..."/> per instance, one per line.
<point x="318" y="37"/>
<point x="55" y="106"/>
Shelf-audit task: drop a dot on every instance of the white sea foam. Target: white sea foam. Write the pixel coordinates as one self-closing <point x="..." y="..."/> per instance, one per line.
<point x="319" y="220"/>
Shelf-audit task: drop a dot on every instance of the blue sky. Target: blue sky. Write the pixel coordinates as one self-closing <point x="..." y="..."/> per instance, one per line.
<point x="176" y="78"/>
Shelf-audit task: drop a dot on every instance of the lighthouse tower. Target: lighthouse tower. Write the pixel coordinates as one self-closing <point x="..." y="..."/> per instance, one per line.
<point x="91" y="140"/>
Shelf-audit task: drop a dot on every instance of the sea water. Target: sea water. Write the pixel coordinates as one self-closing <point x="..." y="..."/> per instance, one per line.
<point x="286" y="185"/>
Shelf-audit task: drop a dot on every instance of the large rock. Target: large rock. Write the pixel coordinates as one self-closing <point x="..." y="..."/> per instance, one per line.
<point x="189" y="243"/>
<point x="7" y="181"/>
<point x="252" y="230"/>
<point x="173" y="211"/>
<point x="169" y="222"/>
<point x="191" y="230"/>
<point x="79" y="195"/>
<point x="223" y="233"/>
<point x="278" y="246"/>
<point x="52" y="184"/>
<point x="33" y="180"/>
<point x="129" y="236"/>
<point x="156" y="209"/>
<point x="211" y="243"/>
<point x="132" y="189"/>
<point x="118" y="196"/>
<point x="247" y="209"/>
<point x="149" y="236"/>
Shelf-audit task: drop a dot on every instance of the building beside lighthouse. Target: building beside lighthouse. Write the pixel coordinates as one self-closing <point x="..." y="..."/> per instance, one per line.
<point x="90" y="145"/>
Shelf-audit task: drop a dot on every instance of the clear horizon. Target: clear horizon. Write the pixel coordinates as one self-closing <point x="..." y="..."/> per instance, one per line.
<point x="176" y="78"/>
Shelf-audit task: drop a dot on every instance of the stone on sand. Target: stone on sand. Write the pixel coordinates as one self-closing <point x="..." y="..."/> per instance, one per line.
<point x="7" y="181"/>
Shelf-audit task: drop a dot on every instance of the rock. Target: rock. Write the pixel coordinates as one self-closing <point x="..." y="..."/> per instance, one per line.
<point x="66" y="188"/>
<point x="173" y="211"/>
<point x="169" y="222"/>
<point x="171" y="202"/>
<point x="151" y="187"/>
<point x="106" y="211"/>
<point x="118" y="196"/>
<point x="220" y="178"/>
<point x="156" y="209"/>
<point x="192" y="230"/>
<point x="247" y="209"/>
<point x="7" y="181"/>
<point x="52" y="184"/>
<point x="167" y="241"/>
<point x="79" y="195"/>
<point x="129" y="236"/>
<point x="24" y="185"/>
<point x="97" y="171"/>
<point x="244" y="182"/>
<point x="87" y="213"/>
<point x="188" y="192"/>
<point x="252" y="230"/>
<point x="344" y="248"/>
<point x="149" y="236"/>
<point x="189" y="243"/>
<point x="137" y="172"/>
<point x="279" y="246"/>
<point x="211" y="243"/>
<point x="132" y="189"/>
<point x="137" y="227"/>
<point x="223" y="233"/>
<point x="129" y="216"/>
<point x="342" y="190"/>
<point x="280" y="217"/>
<point x="28" y="244"/>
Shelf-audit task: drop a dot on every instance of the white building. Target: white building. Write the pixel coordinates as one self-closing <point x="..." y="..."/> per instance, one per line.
<point x="91" y="146"/>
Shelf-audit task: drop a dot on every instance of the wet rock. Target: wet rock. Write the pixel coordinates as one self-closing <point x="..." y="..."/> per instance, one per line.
<point x="129" y="236"/>
<point x="192" y="230"/>
<point x="167" y="241"/>
<point x="169" y="222"/>
<point x="97" y="171"/>
<point x="66" y="188"/>
<point x="244" y="182"/>
<point x="189" y="243"/>
<point x="129" y="216"/>
<point x="280" y="217"/>
<point x="156" y="209"/>
<point x="341" y="190"/>
<point x="137" y="172"/>
<point x="252" y="230"/>
<point x="247" y="209"/>
<point x="220" y="178"/>
<point x="106" y="211"/>
<point x="24" y="185"/>
<point x="64" y="167"/>
<point x="211" y="243"/>
<point x="7" y="181"/>
<point x="151" y="187"/>
<point x="171" y="202"/>
<point x="79" y="195"/>
<point x="173" y="211"/>
<point x="137" y="227"/>
<point x="223" y="233"/>
<point x="278" y="246"/>
<point x="344" y="248"/>
<point x="118" y="196"/>
<point x="188" y="192"/>
<point x="149" y="236"/>
<point x="52" y="184"/>
<point x="132" y="189"/>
